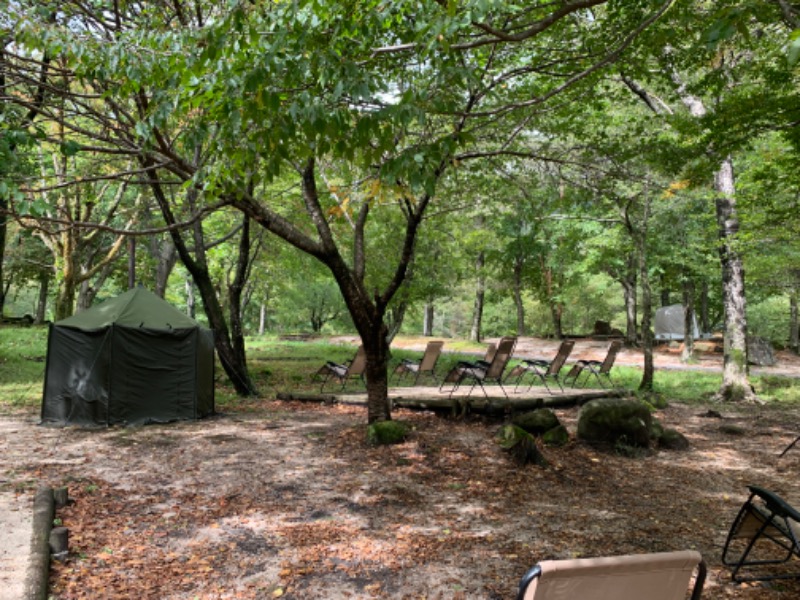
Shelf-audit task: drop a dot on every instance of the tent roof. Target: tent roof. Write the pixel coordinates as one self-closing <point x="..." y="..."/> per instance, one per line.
<point x="137" y="307"/>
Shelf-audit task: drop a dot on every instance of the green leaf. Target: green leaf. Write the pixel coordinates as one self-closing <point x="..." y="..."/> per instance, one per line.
<point x="793" y="50"/>
<point x="70" y="148"/>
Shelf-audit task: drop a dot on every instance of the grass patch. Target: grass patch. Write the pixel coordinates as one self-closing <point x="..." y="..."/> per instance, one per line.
<point x="280" y="365"/>
<point x="22" y="362"/>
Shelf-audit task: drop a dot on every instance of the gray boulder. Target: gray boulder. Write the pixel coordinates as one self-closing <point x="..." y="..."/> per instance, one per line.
<point x="760" y="352"/>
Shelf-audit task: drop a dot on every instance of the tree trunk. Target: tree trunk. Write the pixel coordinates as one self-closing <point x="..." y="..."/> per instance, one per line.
<point x="556" y="313"/>
<point x="427" y="321"/>
<point x="3" y="229"/>
<point x="648" y="372"/>
<point x="235" y="294"/>
<point x="794" y="329"/>
<point x="191" y="309"/>
<point x="665" y="300"/>
<point x="518" y="264"/>
<point x="132" y="263"/>
<point x="262" y="319"/>
<point x="705" y="326"/>
<point x="41" y="304"/>
<point x="687" y="354"/>
<point x="631" y="304"/>
<point x="735" y="384"/>
<point x="477" y="311"/>
<point x="166" y="257"/>
<point x="377" y="350"/>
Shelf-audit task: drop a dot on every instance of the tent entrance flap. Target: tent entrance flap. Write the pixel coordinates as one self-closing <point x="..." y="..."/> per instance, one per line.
<point x="76" y="377"/>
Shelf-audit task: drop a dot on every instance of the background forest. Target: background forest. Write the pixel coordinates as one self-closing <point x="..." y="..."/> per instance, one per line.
<point x="454" y="168"/>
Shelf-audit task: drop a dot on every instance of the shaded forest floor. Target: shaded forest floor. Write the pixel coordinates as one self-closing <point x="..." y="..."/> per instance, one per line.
<point x="277" y="499"/>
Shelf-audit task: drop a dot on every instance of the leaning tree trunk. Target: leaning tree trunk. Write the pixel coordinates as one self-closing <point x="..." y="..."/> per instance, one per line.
<point x="232" y="363"/>
<point x="735" y="383"/>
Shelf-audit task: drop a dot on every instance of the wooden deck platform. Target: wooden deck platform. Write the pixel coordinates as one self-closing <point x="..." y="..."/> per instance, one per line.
<point x="462" y="401"/>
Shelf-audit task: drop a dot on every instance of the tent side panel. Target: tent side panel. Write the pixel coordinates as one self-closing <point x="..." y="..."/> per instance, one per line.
<point x="76" y="377"/>
<point x="205" y="372"/>
<point x="153" y="375"/>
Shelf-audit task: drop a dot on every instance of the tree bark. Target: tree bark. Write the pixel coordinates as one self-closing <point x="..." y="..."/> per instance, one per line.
<point x="190" y="301"/>
<point x="476" y="333"/>
<point x="518" y="264"/>
<point x="44" y="290"/>
<point x="735" y="384"/>
<point x="687" y="354"/>
<point x="794" y="328"/>
<point x="648" y="372"/>
<point x="629" y="282"/>
<point x="262" y="319"/>
<point x="427" y="321"/>
<point x="235" y="289"/>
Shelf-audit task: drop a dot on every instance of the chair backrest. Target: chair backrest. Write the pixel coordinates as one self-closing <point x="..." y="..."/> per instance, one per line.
<point x="432" y="352"/>
<point x="359" y="364"/>
<point x="504" y="351"/>
<point x="491" y="350"/>
<point x="658" y="576"/>
<point x="608" y="362"/>
<point x="562" y="355"/>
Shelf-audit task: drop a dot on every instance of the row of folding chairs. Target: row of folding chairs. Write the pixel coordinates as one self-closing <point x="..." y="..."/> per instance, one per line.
<point x="491" y="368"/>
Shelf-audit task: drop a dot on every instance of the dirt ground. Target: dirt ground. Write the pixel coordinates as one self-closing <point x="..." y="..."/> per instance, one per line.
<point x="288" y="500"/>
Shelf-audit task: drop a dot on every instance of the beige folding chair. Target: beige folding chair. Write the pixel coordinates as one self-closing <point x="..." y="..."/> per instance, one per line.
<point x="479" y="372"/>
<point x="658" y="576"/>
<point x="343" y="372"/>
<point x="544" y="369"/>
<point x="600" y="369"/>
<point x="427" y="364"/>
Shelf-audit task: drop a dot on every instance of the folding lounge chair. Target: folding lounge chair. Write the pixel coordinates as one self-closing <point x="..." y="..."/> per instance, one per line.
<point x="658" y="576"/>
<point x="543" y="368"/>
<point x="600" y="369"/>
<point x="344" y="372"/>
<point x="479" y="372"/>
<point x="763" y="536"/>
<point x="427" y="364"/>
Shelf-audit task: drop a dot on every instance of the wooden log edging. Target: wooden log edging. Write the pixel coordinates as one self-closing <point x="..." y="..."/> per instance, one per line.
<point x="38" y="571"/>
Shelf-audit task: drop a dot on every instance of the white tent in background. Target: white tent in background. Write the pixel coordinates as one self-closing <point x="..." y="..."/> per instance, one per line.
<point x="669" y="323"/>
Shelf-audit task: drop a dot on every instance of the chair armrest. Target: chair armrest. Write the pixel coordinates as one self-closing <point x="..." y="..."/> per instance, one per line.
<point x="775" y="503"/>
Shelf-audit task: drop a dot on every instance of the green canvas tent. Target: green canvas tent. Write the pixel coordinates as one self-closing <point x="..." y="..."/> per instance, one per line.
<point x="133" y="359"/>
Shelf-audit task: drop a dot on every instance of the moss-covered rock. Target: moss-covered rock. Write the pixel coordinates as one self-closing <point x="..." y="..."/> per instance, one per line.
<point x="615" y="420"/>
<point x="557" y="436"/>
<point x="537" y="422"/>
<point x="656" y="429"/>
<point x="387" y="432"/>
<point x="670" y="439"/>
<point x="521" y="445"/>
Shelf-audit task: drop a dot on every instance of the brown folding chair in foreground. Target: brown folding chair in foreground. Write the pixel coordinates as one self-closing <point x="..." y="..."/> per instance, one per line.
<point x="658" y="576"/>
<point x="427" y="364"/>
